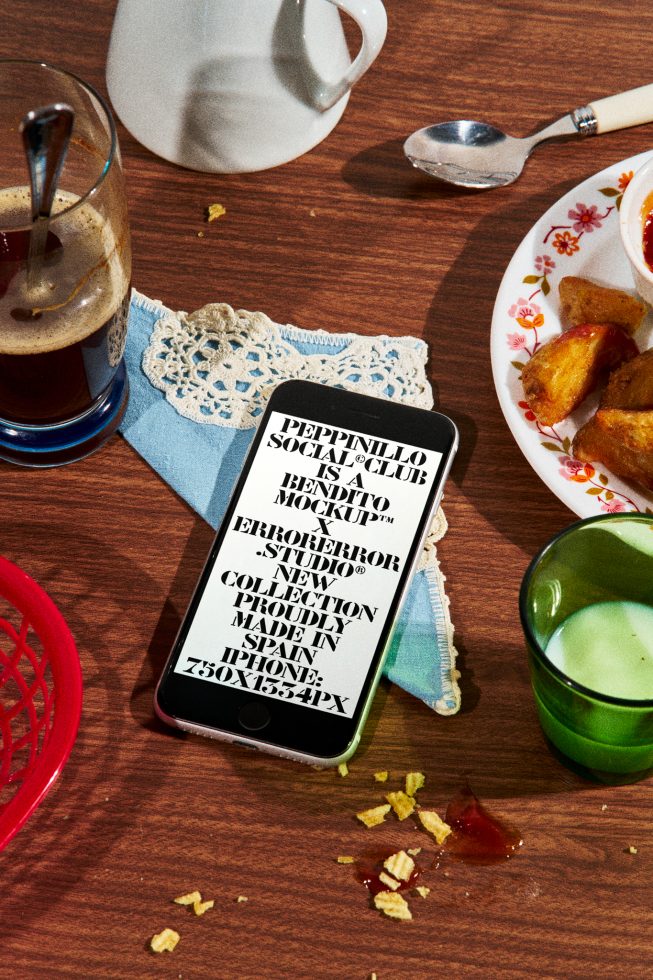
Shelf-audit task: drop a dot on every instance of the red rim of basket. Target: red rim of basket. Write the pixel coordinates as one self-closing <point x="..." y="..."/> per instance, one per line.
<point x="31" y="601"/>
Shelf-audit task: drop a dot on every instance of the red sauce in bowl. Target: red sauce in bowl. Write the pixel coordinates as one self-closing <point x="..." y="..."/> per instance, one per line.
<point x="647" y="230"/>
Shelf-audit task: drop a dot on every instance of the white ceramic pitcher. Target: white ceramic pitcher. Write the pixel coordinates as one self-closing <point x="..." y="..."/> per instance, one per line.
<point x="231" y="86"/>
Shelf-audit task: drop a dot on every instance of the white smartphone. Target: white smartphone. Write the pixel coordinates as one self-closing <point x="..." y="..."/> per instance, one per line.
<point x="284" y="640"/>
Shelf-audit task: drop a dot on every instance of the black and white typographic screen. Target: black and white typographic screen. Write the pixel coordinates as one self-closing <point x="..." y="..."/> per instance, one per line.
<point x="310" y="562"/>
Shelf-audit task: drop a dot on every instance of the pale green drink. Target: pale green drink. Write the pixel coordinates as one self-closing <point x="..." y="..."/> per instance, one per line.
<point x="607" y="647"/>
<point x="586" y="606"/>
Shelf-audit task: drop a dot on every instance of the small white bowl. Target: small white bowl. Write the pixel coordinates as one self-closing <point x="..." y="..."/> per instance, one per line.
<point x="631" y="226"/>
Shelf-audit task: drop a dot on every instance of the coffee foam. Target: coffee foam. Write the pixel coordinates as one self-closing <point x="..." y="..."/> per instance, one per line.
<point x="83" y="283"/>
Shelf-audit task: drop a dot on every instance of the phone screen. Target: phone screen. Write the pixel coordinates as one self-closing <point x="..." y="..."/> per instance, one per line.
<point x="311" y="558"/>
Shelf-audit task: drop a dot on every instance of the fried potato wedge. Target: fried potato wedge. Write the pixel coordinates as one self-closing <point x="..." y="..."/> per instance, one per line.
<point x="563" y="372"/>
<point x="582" y="301"/>
<point x="621" y="439"/>
<point x="633" y="428"/>
<point x="631" y="385"/>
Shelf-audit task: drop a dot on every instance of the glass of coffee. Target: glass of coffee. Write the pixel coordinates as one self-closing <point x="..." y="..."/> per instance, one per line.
<point x="63" y="382"/>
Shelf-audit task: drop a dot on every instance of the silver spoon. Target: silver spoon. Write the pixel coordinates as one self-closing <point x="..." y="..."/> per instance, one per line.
<point x="477" y="155"/>
<point x="46" y="135"/>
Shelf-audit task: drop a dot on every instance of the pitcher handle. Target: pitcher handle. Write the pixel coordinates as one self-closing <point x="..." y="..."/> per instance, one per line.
<point x="372" y="19"/>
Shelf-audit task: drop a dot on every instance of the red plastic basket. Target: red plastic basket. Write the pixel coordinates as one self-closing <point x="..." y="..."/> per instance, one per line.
<point x="40" y="696"/>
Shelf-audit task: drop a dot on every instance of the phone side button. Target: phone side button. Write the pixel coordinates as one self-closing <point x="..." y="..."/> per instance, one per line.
<point x="254" y="716"/>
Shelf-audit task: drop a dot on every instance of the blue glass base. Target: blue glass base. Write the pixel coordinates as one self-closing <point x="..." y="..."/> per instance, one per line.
<point x="54" y="445"/>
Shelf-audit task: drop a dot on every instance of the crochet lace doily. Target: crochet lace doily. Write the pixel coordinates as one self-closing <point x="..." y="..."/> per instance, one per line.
<point x="219" y="365"/>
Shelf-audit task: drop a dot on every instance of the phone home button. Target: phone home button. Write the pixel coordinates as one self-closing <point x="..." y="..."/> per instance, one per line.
<point x="254" y="716"/>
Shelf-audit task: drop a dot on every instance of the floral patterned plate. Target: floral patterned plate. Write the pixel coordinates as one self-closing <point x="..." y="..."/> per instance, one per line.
<point x="578" y="236"/>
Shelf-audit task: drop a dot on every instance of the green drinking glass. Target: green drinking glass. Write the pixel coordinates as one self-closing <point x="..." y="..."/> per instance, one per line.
<point x="586" y="606"/>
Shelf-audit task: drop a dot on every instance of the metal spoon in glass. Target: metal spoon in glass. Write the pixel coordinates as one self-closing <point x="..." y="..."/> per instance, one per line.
<point x="46" y="134"/>
<point x="475" y="154"/>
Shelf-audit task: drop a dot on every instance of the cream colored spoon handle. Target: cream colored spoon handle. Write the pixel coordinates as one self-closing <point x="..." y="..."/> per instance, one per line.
<point x="633" y="108"/>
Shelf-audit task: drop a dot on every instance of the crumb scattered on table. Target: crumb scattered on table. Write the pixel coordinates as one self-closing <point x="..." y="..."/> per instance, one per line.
<point x="402" y="804"/>
<point x="165" y="941"/>
<point x="393" y="905"/>
<point x="414" y="781"/>
<point x="215" y="211"/>
<point x="435" y="825"/>
<point x="188" y="899"/>
<point x="389" y="881"/>
<point x="374" y="816"/>
<point x="401" y="865"/>
<point x="199" y="908"/>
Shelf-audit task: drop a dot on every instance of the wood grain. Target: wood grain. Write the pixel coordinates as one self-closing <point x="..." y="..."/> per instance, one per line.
<point x="347" y="237"/>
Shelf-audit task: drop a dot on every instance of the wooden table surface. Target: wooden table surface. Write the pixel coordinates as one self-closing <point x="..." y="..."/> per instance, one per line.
<point x="349" y="237"/>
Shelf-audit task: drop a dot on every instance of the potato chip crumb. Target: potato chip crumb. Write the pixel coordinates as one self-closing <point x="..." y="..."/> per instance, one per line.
<point x="189" y="899"/>
<point x="632" y="850"/>
<point x="312" y="212"/>
<point x="605" y="806"/>
<point x="381" y="777"/>
<point x="374" y="816"/>
<point x="393" y="905"/>
<point x="164" y="941"/>
<point x="414" y="781"/>
<point x="414" y="851"/>
<point x="400" y="865"/>
<point x="199" y="908"/>
<point x="402" y="804"/>
<point x="343" y="769"/>
<point x="215" y="211"/>
<point x="422" y="890"/>
<point x="389" y="881"/>
<point x="345" y="859"/>
<point x="242" y="898"/>
<point x="432" y="822"/>
<point x="200" y="234"/>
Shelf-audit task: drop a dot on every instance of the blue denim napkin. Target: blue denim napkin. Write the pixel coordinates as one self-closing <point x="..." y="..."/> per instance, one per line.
<point x="202" y="461"/>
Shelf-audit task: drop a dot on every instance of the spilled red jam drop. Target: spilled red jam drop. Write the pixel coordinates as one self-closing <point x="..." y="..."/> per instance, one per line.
<point x="477" y="836"/>
<point x="647" y="239"/>
<point x="647" y="229"/>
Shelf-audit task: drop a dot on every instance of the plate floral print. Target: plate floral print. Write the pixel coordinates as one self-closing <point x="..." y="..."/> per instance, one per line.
<point x="559" y="243"/>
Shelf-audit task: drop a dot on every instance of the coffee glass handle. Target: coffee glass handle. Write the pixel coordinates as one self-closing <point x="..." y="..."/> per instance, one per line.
<point x="372" y="19"/>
